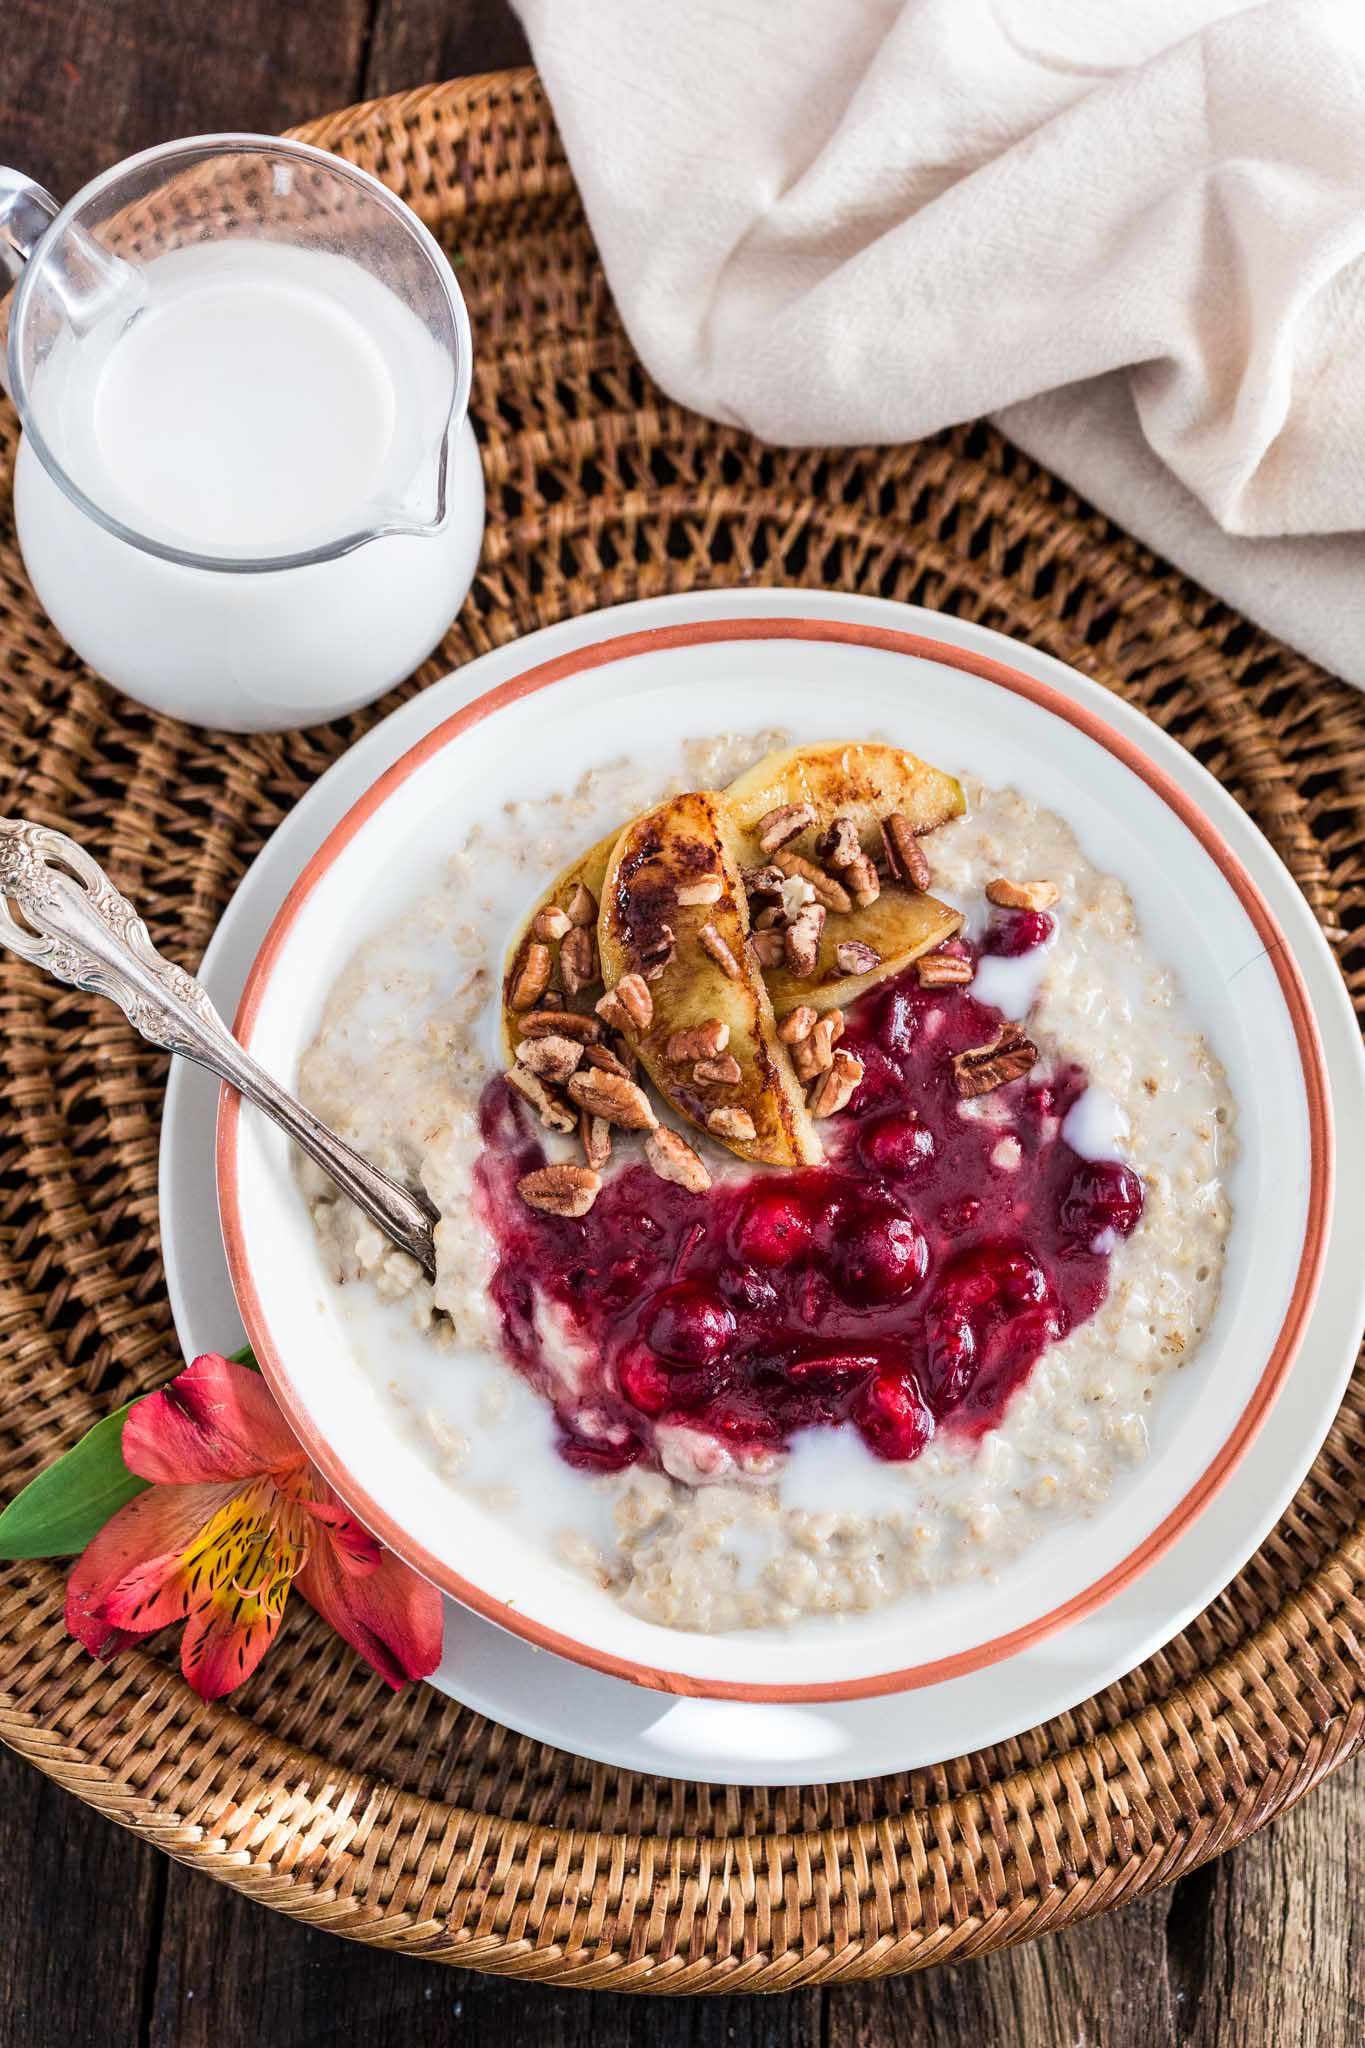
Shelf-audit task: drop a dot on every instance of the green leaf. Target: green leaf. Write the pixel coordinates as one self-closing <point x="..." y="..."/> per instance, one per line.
<point x="246" y="1356"/>
<point x="69" y="1502"/>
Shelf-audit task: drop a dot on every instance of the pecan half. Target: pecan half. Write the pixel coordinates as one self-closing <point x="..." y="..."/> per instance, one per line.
<point x="731" y="1123"/>
<point x="942" y="970"/>
<point x="835" y="1089"/>
<point x="560" y="1023"/>
<point x="578" y="959"/>
<point x="777" y="826"/>
<point x="904" y="855"/>
<point x="554" y="1114"/>
<point x="802" y="939"/>
<point x="632" y="993"/>
<point x="698" y="1041"/>
<point x="594" y="1134"/>
<point x="720" y="952"/>
<point x="708" y="890"/>
<point x="674" y="1160"/>
<point x="832" y="894"/>
<point x="862" y="881"/>
<point x="984" y="1067"/>
<point x="560" y="1190"/>
<point x="1021" y="895"/>
<point x="582" y="905"/>
<point x="551" y="922"/>
<point x="552" y="1057"/>
<point x="851" y="956"/>
<point x="610" y="1095"/>
<point x="798" y="1024"/>
<point x="724" y="1072"/>
<point x="839" y="845"/>
<point x="532" y="977"/>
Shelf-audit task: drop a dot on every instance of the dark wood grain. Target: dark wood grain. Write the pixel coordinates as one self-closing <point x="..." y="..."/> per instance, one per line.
<point x="102" y="1940"/>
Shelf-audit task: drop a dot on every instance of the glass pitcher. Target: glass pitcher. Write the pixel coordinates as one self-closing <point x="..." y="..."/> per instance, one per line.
<point x="247" y="491"/>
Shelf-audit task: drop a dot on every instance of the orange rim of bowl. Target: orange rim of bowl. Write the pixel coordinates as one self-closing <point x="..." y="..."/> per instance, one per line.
<point x="661" y="639"/>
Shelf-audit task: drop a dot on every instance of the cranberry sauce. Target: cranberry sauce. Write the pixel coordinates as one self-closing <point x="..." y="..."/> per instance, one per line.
<point x="907" y="1285"/>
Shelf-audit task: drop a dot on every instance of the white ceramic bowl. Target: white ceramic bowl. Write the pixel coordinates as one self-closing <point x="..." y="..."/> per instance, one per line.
<point x="640" y="695"/>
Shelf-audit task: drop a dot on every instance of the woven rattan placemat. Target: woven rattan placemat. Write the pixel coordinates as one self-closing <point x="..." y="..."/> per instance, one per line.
<point x="411" y="1822"/>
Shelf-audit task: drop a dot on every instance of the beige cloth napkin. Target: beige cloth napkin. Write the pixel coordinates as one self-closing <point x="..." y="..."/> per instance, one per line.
<point x="1130" y="230"/>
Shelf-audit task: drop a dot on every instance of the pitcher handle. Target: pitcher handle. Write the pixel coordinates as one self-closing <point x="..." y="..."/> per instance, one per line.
<point x="27" y="211"/>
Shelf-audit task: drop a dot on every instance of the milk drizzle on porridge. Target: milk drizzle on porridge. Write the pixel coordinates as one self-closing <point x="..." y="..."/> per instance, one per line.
<point x="406" y="1045"/>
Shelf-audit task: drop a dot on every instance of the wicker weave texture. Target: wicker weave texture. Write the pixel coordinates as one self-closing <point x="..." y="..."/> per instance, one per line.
<point x="411" y="1822"/>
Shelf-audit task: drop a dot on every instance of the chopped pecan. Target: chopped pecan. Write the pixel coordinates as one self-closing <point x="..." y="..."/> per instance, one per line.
<point x="551" y="922"/>
<point x="723" y="1072"/>
<point x="632" y="993"/>
<point x="851" y="956"/>
<point x="1021" y="895"/>
<point x="698" y="1041"/>
<point x="610" y="1095"/>
<point x="560" y="1190"/>
<point x="532" y="977"/>
<point x="802" y="939"/>
<point x="612" y="1011"/>
<point x="942" y="970"/>
<point x="674" y="1160"/>
<point x="768" y="948"/>
<point x="839" y="845"/>
<point x="835" y="1089"/>
<point x="984" y="1067"/>
<point x="606" y="1061"/>
<point x="578" y="959"/>
<point x="654" y="957"/>
<point x="777" y="826"/>
<point x="832" y="894"/>
<point x="709" y="889"/>
<point x="560" y="1023"/>
<point x="594" y="1134"/>
<point x="720" y="952"/>
<point x="552" y="1057"/>
<point x="554" y="1114"/>
<point x="798" y="1024"/>
<point x="905" y="857"/>
<point x="731" y="1123"/>
<point x="835" y="1021"/>
<point x="815" y="1054"/>
<point x="765" y="881"/>
<point x="797" y="892"/>
<point x="862" y="881"/>
<point x="582" y="905"/>
<point x="769" y="918"/>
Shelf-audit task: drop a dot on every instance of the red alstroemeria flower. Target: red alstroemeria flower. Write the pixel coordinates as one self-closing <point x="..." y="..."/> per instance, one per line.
<point x="234" y="1516"/>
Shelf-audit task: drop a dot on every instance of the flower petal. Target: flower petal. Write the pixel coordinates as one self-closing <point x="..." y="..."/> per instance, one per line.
<point x="215" y="1421"/>
<point x="357" y="1551"/>
<point x="147" y="1537"/>
<point x="390" y="1615"/>
<point x="236" y="1579"/>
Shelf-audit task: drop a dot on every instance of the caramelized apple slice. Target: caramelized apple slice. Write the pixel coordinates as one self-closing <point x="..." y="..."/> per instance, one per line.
<point x="864" y="781"/>
<point x="586" y="872"/>
<point x="898" y="927"/>
<point x="674" y="913"/>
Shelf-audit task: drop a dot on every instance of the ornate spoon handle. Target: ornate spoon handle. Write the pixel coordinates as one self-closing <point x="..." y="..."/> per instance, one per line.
<point x="77" y="926"/>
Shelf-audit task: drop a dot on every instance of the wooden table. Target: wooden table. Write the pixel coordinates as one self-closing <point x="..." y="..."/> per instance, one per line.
<point x="105" y="1941"/>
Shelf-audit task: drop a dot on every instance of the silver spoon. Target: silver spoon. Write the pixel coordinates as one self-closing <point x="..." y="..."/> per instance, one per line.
<point x="77" y="926"/>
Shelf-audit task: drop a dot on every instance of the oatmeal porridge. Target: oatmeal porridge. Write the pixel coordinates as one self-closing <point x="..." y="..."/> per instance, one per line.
<point x="765" y="1305"/>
